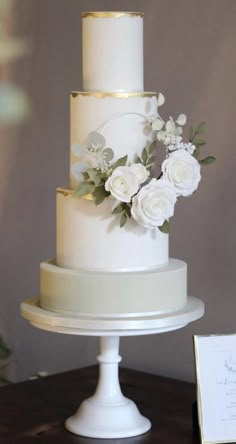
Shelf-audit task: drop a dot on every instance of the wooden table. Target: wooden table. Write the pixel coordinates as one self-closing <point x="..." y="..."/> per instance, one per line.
<point x="35" y="411"/>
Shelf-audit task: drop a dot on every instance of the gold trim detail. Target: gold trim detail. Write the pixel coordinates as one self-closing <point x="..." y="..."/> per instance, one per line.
<point x="66" y="192"/>
<point x="111" y="14"/>
<point x="119" y="95"/>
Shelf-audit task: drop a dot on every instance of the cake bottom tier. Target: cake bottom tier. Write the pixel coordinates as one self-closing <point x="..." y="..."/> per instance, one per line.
<point x="123" y="294"/>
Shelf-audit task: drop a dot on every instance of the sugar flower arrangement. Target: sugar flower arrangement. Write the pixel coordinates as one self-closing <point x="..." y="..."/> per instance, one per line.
<point x="137" y="194"/>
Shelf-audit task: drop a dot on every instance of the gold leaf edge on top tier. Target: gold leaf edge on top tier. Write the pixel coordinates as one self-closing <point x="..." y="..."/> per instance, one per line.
<point x="120" y="95"/>
<point x="66" y="192"/>
<point x="111" y="14"/>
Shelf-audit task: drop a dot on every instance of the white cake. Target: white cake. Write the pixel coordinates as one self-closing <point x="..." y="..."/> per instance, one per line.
<point x="102" y="269"/>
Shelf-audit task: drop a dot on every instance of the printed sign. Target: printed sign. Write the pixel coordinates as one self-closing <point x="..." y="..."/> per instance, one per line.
<point x="215" y="359"/>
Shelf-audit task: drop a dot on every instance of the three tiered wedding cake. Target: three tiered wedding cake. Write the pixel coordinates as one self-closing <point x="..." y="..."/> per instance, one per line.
<point x="112" y="224"/>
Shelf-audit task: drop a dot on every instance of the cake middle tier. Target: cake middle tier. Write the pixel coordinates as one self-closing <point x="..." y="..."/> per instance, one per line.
<point x="89" y="238"/>
<point x="121" y="118"/>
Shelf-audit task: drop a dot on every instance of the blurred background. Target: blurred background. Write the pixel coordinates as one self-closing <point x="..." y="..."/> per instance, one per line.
<point x="189" y="49"/>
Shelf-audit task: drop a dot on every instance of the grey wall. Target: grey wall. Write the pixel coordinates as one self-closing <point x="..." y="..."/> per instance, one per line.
<point x="190" y="57"/>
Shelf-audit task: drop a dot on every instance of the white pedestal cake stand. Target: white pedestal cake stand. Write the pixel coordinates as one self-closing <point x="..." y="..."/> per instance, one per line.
<point x="108" y="414"/>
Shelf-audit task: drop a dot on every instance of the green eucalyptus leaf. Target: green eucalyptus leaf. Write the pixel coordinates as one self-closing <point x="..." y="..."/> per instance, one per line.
<point x="165" y="227"/>
<point x="151" y="160"/>
<point x="103" y="176"/>
<point x="94" y="176"/>
<point x="152" y="147"/>
<point x="95" y="140"/>
<point x="123" y="220"/>
<point x="108" y="153"/>
<point x="118" y="209"/>
<point x="196" y="153"/>
<point x="207" y="161"/>
<point x="157" y="124"/>
<point x="84" y="188"/>
<point x="181" y="119"/>
<point x="85" y="175"/>
<point x="127" y="210"/>
<point x="170" y="125"/>
<point x="99" y="194"/>
<point x="160" y="99"/>
<point x="144" y="156"/>
<point x="201" y="128"/>
<point x="138" y="160"/>
<point x="120" y="162"/>
<point x="191" y="132"/>
<point x="199" y="142"/>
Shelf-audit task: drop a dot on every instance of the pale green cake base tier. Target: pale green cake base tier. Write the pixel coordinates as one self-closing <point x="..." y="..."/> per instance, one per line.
<point x="71" y="292"/>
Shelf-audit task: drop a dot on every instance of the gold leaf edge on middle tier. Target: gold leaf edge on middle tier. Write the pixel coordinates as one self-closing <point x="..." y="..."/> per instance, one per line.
<point x="119" y="95"/>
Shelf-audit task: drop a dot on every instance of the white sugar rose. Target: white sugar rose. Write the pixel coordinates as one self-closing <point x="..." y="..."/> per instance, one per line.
<point x="183" y="171"/>
<point x="154" y="203"/>
<point x="140" y="172"/>
<point x="122" y="184"/>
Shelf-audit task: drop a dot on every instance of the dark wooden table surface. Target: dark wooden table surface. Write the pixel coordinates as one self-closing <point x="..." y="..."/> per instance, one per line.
<point x="35" y="411"/>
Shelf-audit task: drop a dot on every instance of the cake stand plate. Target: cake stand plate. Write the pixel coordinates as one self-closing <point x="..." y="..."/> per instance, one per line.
<point x="121" y="326"/>
<point x="109" y="414"/>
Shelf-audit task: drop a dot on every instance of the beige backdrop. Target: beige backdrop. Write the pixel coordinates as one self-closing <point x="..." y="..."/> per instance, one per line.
<point x="190" y="57"/>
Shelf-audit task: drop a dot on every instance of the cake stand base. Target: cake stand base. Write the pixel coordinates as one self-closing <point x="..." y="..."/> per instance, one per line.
<point x="108" y="414"/>
<point x="109" y="421"/>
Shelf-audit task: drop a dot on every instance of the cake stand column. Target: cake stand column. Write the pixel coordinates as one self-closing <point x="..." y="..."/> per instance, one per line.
<point x="108" y="414"/>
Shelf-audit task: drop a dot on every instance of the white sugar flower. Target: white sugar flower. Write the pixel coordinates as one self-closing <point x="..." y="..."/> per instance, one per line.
<point x="189" y="147"/>
<point x="122" y="184"/>
<point x="177" y="144"/>
<point x="154" y="203"/>
<point x="171" y="130"/>
<point x="182" y="170"/>
<point x="175" y="139"/>
<point x="140" y="172"/>
<point x="171" y="147"/>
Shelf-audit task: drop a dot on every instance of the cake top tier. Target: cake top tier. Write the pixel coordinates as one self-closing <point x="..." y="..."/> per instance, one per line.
<point x="113" y="51"/>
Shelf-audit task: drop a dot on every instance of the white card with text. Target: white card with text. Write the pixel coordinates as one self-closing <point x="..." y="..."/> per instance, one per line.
<point x="216" y="387"/>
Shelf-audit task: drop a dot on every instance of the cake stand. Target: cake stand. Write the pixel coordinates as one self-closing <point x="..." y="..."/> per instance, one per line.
<point x="108" y="414"/>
